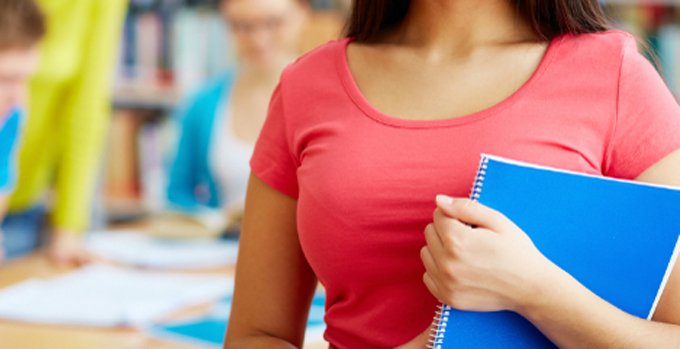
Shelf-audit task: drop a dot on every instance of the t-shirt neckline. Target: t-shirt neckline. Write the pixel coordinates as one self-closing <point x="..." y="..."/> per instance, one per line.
<point x="358" y="98"/>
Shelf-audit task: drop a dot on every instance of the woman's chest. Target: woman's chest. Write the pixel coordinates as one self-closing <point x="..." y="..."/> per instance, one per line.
<point x="362" y="167"/>
<point x="402" y="85"/>
<point x="368" y="189"/>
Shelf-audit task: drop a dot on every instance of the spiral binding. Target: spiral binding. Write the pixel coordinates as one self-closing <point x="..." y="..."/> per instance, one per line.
<point x="441" y="316"/>
<point x="479" y="179"/>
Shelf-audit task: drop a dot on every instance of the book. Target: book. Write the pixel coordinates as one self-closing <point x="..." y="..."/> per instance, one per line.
<point x="618" y="238"/>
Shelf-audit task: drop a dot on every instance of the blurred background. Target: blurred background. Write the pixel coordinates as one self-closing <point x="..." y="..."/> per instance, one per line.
<point x="168" y="48"/>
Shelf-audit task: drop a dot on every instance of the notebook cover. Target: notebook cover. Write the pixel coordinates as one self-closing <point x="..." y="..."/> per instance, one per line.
<point x="618" y="238"/>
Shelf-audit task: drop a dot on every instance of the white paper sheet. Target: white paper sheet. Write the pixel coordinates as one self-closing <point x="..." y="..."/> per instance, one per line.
<point x="142" y="250"/>
<point x="106" y="296"/>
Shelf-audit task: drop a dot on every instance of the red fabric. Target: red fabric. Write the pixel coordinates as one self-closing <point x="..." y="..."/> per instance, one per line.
<point x="366" y="182"/>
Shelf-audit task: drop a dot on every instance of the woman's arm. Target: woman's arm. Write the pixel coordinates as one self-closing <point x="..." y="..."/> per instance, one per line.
<point x="274" y="283"/>
<point x="85" y="115"/>
<point x="667" y="172"/>
<point x="498" y="267"/>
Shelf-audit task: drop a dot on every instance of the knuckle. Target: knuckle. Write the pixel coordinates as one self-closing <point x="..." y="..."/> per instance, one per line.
<point x="457" y="246"/>
<point x="451" y="244"/>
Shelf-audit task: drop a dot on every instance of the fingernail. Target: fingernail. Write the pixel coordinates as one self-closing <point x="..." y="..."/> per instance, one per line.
<point x="444" y="200"/>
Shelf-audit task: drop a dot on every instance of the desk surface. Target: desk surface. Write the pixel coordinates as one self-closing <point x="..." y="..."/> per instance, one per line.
<point x="21" y="335"/>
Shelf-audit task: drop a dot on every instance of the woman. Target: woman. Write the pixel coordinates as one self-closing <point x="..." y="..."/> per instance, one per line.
<point x="363" y="134"/>
<point x="221" y="122"/>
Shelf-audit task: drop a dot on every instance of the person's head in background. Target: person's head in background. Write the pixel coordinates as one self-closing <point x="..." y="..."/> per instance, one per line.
<point x="265" y="33"/>
<point x="22" y="25"/>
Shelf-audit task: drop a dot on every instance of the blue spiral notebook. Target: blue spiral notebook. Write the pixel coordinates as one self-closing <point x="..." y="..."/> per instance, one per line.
<point x="617" y="238"/>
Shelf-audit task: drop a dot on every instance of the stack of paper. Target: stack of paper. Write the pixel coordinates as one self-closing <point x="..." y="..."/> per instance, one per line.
<point x="100" y="295"/>
<point x="146" y="251"/>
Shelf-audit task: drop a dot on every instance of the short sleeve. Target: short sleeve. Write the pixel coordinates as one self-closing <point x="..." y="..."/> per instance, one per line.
<point x="647" y="124"/>
<point x="273" y="160"/>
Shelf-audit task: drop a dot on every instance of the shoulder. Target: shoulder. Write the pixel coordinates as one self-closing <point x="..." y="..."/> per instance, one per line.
<point x="611" y="44"/>
<point x="316" y="76"/>
<point x="598" y="58"/>
<point x="613" y="50"/>
<point x="317" y="64"/>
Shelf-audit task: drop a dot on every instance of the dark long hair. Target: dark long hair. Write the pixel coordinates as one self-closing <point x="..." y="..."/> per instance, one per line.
<point x="548" y="18"/>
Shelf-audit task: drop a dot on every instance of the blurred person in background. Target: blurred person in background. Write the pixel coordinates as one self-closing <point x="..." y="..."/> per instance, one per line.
<point x="22" y="25"/>
<point x="221" y="122"/>
<point x="66" y="128"/>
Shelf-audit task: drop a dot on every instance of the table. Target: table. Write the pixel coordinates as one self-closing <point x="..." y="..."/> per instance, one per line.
<point x="33" y="336"/>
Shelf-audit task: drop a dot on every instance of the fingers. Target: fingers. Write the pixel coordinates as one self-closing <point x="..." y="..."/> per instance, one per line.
<point x="471" y="212"/>
<point x="448" y="229"/>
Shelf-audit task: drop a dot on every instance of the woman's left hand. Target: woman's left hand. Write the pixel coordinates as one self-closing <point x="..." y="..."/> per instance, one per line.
<point x="477" y="259"/>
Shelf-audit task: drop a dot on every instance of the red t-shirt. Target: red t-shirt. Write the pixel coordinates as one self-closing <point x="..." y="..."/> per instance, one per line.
<point x="366" y="182"/>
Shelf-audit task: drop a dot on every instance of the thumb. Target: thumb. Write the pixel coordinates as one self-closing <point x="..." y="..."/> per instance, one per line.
<point x="471" y="212"/>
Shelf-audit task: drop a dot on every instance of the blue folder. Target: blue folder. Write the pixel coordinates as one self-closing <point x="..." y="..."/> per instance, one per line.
<point x="617" y="238"/>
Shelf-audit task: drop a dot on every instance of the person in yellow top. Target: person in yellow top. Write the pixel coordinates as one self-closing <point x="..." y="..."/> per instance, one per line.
<point x="67" y="122"/>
